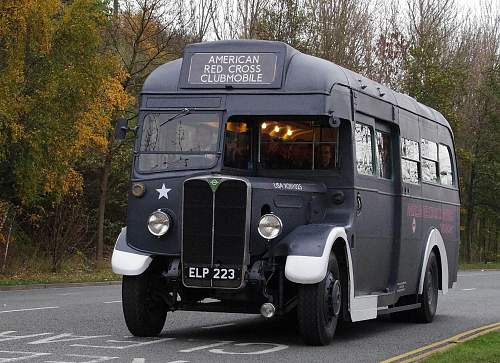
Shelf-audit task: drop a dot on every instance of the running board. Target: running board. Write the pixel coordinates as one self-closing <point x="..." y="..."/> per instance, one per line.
<point x="398" y="308"/>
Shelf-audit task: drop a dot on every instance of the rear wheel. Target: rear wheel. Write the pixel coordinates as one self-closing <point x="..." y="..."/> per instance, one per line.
<point x="429" y="296"/>
<point x="319" y="306"/>
<point x="144" y="310"/>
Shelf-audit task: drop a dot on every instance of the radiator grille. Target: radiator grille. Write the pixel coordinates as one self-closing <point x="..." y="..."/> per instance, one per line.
<point x="214" y="228"/>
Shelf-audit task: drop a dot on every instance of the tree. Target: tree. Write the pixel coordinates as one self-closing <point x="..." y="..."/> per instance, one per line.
<point x="144" y="34"/>
<point x="58" y="90"/>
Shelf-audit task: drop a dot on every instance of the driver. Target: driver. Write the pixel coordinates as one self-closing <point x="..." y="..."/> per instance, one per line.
<point x="204" y="139"/>
<point x="327" y="159"/>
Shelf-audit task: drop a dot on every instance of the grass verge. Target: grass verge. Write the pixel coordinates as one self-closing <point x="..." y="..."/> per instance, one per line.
<point x="480" y="266"/>
<point x="29" y="278"/>
<point x="483" y="349"/>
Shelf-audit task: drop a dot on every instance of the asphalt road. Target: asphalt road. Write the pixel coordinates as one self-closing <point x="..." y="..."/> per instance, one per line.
<point x="85" y="324"/>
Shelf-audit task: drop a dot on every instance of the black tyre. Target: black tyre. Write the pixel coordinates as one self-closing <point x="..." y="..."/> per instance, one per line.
<point x="319" y="307"/>
<point x="429" y="296"/>
<point x="145" y="312"/>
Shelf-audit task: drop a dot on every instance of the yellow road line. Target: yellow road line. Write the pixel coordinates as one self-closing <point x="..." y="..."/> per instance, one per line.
<point x="441" y="345"/>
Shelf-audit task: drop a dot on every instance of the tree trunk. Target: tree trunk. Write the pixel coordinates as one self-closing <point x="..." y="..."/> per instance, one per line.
<point x="497" y="245"/>
<point x="469" y="218"/>
<point x="106" y="171"/>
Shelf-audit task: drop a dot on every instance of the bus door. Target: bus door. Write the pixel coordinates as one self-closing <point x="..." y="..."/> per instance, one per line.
<point x="411" y="204"/>
<point x="376" y="199"/>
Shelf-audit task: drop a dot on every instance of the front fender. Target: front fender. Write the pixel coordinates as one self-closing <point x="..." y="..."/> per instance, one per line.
<point x="127" y="261"/>
<point x="308" y="251"/>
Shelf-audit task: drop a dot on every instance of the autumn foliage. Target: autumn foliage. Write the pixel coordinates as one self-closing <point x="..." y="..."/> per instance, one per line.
<point x="69" y="69"/>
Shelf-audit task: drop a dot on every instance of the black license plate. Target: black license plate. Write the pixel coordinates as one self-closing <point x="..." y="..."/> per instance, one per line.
<point x="208" y="273"/>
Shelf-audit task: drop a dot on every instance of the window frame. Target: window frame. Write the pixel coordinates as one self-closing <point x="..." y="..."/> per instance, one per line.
<point x="138" y="141"/>
<point x="250" y="127"/>
<point x="438" y="166"/>
<point x="405" y="158"/>
<point x="373" y="149"/>
<point x="283" y="118"/>
<point x="452" y="166"/>
<point x="386" y="131"/>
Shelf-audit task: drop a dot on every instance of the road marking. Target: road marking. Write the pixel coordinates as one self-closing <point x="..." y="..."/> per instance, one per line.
<point x="30" y="309"/>
<point x="179" y="361"/>
<point x="138" y="360"/>
<point x="445" y="344"/>
<point x="112" y="302"/>
<point x="218" y="344"/>
<point x="275" y="348"/>
<point x="69" y="293"/>
<point x="468" y="289"/>
<point x="95" y="358"/>
<point x="7" y="335"/>
<point x="65" y="337"/>
<point x="23" y="357"/>
<point x="217" y="326"/>
<point x="133" y="345"/>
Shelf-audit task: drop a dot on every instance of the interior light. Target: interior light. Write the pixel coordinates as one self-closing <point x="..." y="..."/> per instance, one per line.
<point x="263" y="126"/>
<point x="276" y="129"/>
<point x="289" y="132"/>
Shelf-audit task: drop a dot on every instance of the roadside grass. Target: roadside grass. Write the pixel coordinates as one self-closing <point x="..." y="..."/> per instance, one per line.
<point x="483" y="349"/>
<point x="27" y="278"/>
<point x="39" y="272"/>
<point x="480" y="266"/>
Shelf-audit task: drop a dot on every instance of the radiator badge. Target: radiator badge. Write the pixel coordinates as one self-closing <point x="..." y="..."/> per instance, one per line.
<point x="214" y="183"/>
<point x="163" y="192"/>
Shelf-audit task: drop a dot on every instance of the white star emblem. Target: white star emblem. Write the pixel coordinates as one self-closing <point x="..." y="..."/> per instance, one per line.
<point x="163" y="192"/>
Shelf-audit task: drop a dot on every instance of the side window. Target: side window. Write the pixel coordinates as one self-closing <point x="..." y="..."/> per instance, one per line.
<point x="429" y="161"/>
<point x="364" y="150"/>
<point x="237" y="145"/>
<point x="384" y="155"/>
<point x="297" y="145"/>
<point x="445" y="166"/>
<point x="410" y="158"/>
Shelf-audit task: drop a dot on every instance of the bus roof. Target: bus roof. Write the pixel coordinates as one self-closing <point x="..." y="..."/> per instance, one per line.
<point x="296" y="73"/>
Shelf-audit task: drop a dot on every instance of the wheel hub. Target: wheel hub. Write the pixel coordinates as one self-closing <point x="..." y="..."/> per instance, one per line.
<point x="333" y="299"/>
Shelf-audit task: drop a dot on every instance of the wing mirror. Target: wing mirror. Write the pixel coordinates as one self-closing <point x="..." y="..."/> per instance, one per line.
<point x="121" y="128"/>
<point x="334" y="121"/>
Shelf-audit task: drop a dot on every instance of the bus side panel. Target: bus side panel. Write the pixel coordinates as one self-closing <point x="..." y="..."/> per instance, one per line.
<point x="432" y="192"/>
<point x="411" y="249"/>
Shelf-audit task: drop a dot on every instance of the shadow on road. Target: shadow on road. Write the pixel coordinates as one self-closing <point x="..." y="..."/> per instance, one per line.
<point x="283" y="331"/>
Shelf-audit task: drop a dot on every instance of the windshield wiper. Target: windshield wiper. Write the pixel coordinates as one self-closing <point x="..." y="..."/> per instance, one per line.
<point x="184" y="112"/>
<point x="173" y="163"/>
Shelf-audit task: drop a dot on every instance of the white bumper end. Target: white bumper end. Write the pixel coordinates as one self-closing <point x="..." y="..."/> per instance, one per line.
<point x="311" y="269"/>
<point x="126" y="263"/>
<point x="305" y="269"/>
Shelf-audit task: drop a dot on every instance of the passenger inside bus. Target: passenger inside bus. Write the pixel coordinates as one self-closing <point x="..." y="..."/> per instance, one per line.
<point x="326" y="157"/>
<point x="289" y="145"/>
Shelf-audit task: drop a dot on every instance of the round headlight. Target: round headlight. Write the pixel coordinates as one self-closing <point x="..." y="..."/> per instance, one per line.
<point x="270" y="226"/>
<point x="159" y="223"/>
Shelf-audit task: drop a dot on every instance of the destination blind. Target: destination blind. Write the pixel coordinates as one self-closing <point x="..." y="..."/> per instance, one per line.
<point x="232" y="68"/>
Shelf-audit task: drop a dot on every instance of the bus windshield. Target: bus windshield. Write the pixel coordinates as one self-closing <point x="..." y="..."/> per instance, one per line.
<point x="187" y="141"/>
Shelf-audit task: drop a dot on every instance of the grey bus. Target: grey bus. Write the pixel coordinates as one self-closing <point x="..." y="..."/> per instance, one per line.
<point x="269" y="181"/>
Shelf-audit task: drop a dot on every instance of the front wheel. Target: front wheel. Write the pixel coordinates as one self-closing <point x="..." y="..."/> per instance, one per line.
<point x="144" y="311"/>
<point x="319" y="306"/>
